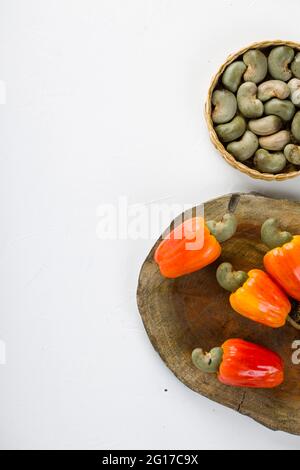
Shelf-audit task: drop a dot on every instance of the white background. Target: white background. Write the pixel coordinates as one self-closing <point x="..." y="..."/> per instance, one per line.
<point x="105" y="98"/>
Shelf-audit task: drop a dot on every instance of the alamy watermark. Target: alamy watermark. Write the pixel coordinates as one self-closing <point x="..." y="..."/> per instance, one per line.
<point x="124" y="221"/>
<point x="296" y="353"/>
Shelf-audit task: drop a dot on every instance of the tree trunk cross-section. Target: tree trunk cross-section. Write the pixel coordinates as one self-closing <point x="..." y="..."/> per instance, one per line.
<point x="193" y="311"/>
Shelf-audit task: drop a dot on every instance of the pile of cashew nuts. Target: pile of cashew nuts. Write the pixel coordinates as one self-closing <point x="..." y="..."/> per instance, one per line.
<point x="255" y="109"/>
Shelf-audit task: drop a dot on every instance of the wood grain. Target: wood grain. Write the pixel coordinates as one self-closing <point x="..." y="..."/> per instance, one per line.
<point x="193" y="311"/>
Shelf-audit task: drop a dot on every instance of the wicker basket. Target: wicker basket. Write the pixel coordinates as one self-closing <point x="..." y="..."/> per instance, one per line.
<point x="208" y="109"/>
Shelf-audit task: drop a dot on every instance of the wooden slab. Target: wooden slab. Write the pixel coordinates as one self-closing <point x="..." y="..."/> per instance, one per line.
<point x="193" y="311"/>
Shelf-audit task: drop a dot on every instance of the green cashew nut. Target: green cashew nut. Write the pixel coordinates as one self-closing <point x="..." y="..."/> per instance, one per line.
<point x="266" y="125"/>
<point x="292" y="154"/>
<point x="229" y="279"/>
<point x="224" y="229"/>
<point x="295" y="67"/>
<point x="208" y="362"/>
<point x="257" y="66"/>
<point x="296" y="126"/>
<point x="276" y="141"/>
<point x="232" y="130"/>
<point x="267" y="162"/>
<point x="245" y="148"/>
<point x="273" y="89"/>
<point x="232" y="76"/>
<point x="225" y="106"/>
<point x="272" y="236"/>
<point x="294" y="86"/>
<point x="248" y="103"/>
<point x="285" y="109"/>
<point x="279" y="59"/>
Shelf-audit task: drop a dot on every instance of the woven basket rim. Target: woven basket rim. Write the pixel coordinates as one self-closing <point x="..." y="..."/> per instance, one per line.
<point x="208" y="108"/>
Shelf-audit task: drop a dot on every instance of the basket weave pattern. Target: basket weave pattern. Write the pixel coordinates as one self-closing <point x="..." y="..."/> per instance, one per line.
<point x="208" y="111"/>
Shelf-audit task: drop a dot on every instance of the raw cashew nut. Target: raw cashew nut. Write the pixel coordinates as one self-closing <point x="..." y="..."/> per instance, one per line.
<point x="257" y="66"/>
<point x="232" y="76"/>
<point x="224" y="229"/>
<point x="296" y="126"/>
<point x="273" y="89"/>
<point x="248" y="104"/>
<point x="230" y="279"/>
<point x="279" y="59"/>
<point x="295" y="67"/>
<point x="267" y="162"/>
<point x="232" y="130"/>
<point x="294" y="86"/>
<point x="276" y="141"/>
<point x="266" y="125"/>
<point x="285" y="109"/>
<point x="225" y="106"/>
<point x="292" y="154"/>
<point x="208" y="362"/>
<point x="245" y="148"/>
<point x="272" y="235"/>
